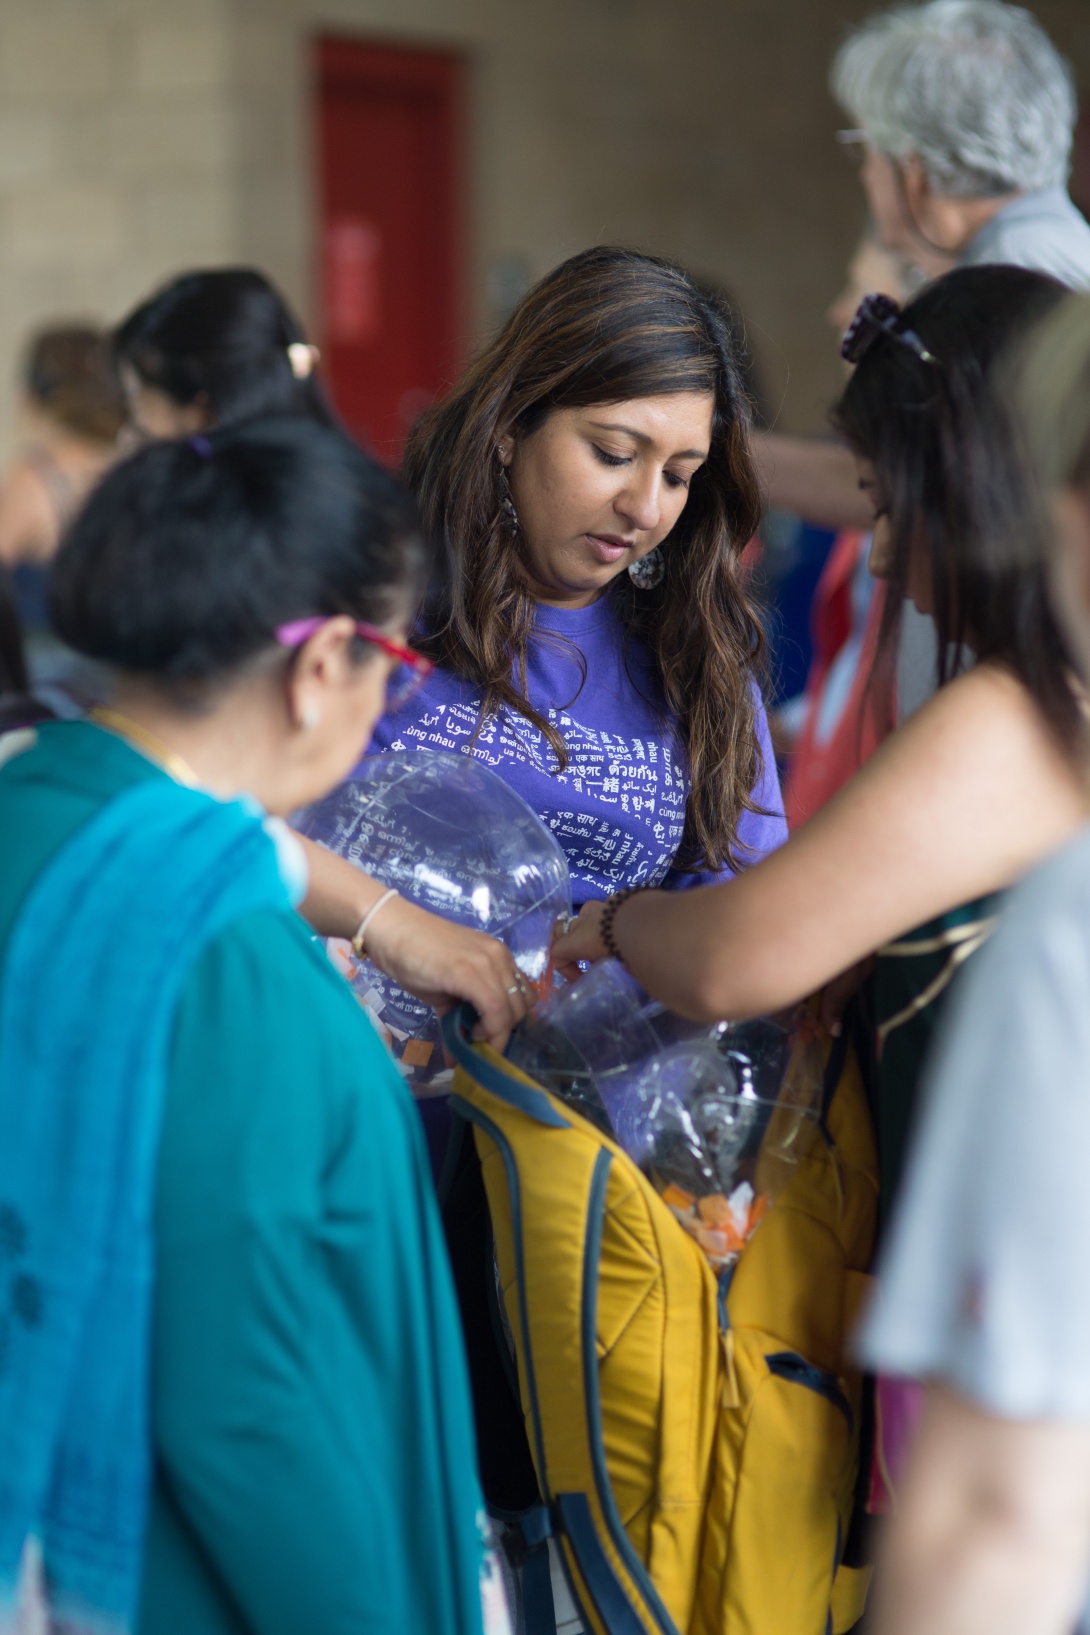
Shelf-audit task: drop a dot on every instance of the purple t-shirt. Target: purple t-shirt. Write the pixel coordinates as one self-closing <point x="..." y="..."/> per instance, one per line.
<point x="618" y="807"/>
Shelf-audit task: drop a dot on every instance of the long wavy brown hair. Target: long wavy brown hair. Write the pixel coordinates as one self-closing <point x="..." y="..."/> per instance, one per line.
<point x="607" y="326"/>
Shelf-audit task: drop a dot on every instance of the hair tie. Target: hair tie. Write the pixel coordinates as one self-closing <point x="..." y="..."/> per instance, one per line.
<point x="302" y="357"/>
<point x="201" y="445"/>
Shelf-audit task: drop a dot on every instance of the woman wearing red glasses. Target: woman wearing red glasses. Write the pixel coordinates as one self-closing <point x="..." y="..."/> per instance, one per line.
<point x="232" y="1390"/>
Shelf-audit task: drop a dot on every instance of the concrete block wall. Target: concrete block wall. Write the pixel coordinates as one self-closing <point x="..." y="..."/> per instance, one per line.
<point x="138" y="137"/>
<point x="116" y="156"/>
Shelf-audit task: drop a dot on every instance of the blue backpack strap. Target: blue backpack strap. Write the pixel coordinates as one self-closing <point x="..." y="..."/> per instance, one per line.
<point x="539" y="1613"/>
<point x="606" y="1590"/>
<point x="569" y="1514"/>
<point x="491" y="1075"/>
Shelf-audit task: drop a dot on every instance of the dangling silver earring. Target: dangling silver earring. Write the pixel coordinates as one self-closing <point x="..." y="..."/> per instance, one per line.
<point x="507" y="504"/>
<point x="649" y="570"/>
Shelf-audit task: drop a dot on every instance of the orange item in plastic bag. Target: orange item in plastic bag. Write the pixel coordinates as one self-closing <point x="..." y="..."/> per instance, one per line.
<point x="677" y="1197"/>
<point x="758" y="1210"/>
<point x="417" y="1053"/>
<point x="714" y="1210"/>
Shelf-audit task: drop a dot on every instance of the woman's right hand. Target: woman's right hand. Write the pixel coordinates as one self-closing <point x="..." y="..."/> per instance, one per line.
<point x="435" y="961"/>
<point x="441" y="963"/>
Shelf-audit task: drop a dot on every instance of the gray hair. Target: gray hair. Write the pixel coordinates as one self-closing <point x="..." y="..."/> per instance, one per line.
<point x="974" y="89"/>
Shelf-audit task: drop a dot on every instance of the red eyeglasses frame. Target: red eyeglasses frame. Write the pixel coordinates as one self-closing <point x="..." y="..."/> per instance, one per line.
<point x="301" y="630"/>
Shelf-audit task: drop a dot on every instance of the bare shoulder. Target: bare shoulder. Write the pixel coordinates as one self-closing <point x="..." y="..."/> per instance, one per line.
<point x="988" y="690"/>
<point x="984" y="736"/>
<point x="988" y="713"/>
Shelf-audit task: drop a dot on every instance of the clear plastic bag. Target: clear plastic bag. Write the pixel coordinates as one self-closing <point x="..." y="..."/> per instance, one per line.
<point x="716" y="1117"/>
<point x="585" y="1039"/>
<point x="453" y="837"/>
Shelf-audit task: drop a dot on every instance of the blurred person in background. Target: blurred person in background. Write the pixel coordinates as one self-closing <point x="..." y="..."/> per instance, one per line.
<point x="965" y="114"/>
<point x="832" y="728"/>
<point x="70" y="417"/>
<point x="233" y="1394"/>
<point x="214" y="349"/>
<point x="985" y="1281"/>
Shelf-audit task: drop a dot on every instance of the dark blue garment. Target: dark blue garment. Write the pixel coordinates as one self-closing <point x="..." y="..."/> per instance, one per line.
<point x="787" y="623"/>
<point x="31" y="585"/>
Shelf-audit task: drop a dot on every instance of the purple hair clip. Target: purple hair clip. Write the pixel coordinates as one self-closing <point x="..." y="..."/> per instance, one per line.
<point x="201" y="445"/>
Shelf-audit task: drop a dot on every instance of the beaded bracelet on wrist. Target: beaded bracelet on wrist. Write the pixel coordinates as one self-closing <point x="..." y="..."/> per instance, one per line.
<point x="605" y="928"/>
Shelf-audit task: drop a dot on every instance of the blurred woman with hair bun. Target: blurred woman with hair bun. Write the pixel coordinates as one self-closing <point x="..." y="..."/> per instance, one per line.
<point x="217" y="349"/>
<point x="214" y="347"/>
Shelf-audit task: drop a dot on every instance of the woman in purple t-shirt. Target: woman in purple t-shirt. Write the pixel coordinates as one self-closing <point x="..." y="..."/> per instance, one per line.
<point x="591" y="478"/>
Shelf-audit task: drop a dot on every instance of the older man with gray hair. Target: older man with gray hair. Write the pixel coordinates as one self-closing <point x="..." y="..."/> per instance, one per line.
<point x="966" y="113"/>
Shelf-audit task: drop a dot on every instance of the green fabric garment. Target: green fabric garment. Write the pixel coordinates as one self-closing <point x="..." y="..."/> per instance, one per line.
<point x="315" y="1465"/>
<point x="913" y="978"/>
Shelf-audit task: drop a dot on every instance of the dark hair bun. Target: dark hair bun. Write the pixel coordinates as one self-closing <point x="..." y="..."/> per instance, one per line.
<point x="189" y="555"/>
<point x="221" y="338"/>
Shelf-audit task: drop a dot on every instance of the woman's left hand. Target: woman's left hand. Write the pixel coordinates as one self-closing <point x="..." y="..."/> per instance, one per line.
<point x="581" y="941"/>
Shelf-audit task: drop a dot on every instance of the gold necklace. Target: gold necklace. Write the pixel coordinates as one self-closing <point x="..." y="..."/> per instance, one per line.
<point x="153" y="747"/>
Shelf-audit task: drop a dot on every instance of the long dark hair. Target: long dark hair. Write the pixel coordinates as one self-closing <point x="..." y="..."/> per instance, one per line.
<point x="608" y="326"/>
<point x="221" y="338"/>
<point x="947" y="454"/>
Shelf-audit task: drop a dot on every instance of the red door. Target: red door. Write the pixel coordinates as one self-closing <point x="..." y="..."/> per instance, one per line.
<point x="390" y="147"/>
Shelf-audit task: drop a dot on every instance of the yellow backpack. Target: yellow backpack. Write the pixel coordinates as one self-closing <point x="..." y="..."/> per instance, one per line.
<point x="692" y="1450"/>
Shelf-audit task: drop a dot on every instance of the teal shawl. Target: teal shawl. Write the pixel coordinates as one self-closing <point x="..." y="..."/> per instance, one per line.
<point x="91" y="980"/>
